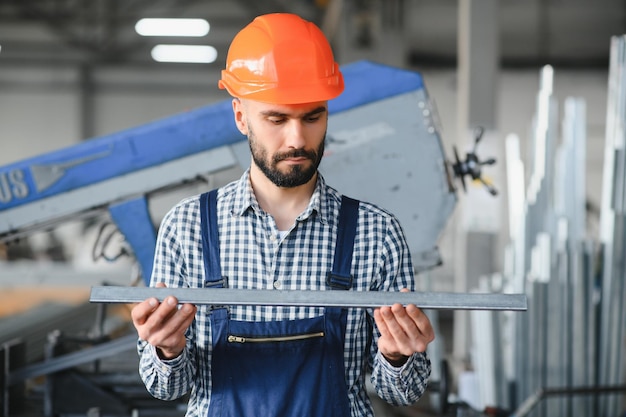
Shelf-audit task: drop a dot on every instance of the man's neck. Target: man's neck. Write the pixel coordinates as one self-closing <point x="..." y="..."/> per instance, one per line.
<point x="283" y="204"/>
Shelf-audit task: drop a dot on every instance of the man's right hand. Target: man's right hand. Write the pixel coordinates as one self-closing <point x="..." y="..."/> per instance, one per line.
<point x="163" y="325"/>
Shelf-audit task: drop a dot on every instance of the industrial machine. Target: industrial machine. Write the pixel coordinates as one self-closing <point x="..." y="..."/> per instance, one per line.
<point x="383" y="145"/>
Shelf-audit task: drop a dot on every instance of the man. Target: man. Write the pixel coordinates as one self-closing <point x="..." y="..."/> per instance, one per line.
<point x="281" y="227"/>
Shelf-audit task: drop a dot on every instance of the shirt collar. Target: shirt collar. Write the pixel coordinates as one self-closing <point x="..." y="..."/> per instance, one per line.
<point x="245" y="199"/>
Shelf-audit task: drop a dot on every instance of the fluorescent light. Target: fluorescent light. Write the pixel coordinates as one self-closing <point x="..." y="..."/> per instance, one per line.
<point x="196" y="54"/>
<point x="172" y="27"/>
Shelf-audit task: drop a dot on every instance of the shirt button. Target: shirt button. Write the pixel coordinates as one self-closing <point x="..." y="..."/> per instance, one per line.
<point x="273" y="238"/>
<point x="277" y="284"/>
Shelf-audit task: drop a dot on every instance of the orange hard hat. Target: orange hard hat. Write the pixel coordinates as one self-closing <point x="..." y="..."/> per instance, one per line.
<point x="283" y="59"/>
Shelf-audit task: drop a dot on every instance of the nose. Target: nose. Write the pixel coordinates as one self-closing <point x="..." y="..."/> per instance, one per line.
<point x="295" y="136"/>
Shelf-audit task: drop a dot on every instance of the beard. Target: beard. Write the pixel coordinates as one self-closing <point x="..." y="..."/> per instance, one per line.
<point x="295" y="175"/>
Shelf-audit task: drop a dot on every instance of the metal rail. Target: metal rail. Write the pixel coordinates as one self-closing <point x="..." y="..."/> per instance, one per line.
<point x="529" y="404"/>
<point x="347" y="299"/>
<point x="73" y="359"/>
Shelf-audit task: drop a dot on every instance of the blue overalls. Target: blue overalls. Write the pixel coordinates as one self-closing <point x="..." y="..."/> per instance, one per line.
<point x="291" y="368"/>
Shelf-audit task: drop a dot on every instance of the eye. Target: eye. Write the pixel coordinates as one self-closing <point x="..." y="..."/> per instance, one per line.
<point x="276" y="120"/>
<point x="314" y="118"/>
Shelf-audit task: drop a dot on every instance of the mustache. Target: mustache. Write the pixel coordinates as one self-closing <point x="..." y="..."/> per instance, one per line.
<point x="296" y="153"/>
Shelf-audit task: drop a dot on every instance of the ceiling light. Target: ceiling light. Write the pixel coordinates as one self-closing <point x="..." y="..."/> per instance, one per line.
<point x="196" y="54"/>
<point x="172" y="27"/>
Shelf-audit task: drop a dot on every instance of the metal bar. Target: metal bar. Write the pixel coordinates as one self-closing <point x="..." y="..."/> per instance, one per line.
<point x="73" y="359"/>
<point x="348" y="299"/>
<point x="12" y="355"/>
<point x="613" y="231"/>
<point x="529" y="404"/>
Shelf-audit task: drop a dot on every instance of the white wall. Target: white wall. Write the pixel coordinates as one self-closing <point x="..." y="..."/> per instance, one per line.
<point x="42" y="110"/>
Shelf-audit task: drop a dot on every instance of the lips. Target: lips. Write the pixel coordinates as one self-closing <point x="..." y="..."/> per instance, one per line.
<point x="295" y="160"/>
<point x="295" y="157"/>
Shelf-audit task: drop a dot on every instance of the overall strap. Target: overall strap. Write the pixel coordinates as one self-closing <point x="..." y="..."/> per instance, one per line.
<point x="210" y="240"/>
<point x="339" y="278"/>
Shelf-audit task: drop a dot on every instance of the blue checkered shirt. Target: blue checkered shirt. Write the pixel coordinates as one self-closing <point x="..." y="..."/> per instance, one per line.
<point x="255" y="256"/>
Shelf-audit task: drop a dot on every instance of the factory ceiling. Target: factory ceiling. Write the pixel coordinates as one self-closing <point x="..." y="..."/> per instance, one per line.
<point x="573" y="33"/>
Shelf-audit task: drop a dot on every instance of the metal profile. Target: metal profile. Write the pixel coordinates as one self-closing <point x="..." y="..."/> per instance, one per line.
<point x="613" y="225"/>
<point x="346" y="299"/>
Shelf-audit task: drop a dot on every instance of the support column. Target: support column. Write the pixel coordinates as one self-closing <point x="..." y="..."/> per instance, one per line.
<point x="477" y="218"/>
<point x="87" y="106"/>
<point x="368" y="30"/>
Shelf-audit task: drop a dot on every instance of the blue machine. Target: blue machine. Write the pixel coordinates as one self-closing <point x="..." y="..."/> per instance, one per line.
<point x="383" y="146"/>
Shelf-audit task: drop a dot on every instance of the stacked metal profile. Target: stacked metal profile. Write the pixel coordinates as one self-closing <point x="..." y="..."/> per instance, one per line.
<point x="613" y="231"/>
<point x="549" y="249"/>
<point x="572" y="337"/>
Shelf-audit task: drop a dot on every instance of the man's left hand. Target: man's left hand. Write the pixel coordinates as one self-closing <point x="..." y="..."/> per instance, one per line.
<point x="403" y="330"/>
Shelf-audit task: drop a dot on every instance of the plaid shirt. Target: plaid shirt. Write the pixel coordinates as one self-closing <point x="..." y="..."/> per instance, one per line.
<point x="255" y="256"/>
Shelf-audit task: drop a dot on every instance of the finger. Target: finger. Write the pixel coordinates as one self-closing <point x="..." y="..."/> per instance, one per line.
<point x="380" y="323"/>
<point x="143" y="310"/>
<point x="169" y="318"/>
<point x="392" y="344"/>
<point x="417" y="316"/>
<point x="397" y="322"/>
<point x="172" y="332"/>
<point x="404" y="331"/>
<point x="406" y="321"/>
<point x="167" y="325"/>
<point x="163" y="312"/>
<point x="392" y="332"/>
<point x="408" y="317"/>
<point x="422" y="322"/>
<point x="182" y="319"/>
<point x="173" y="318"/>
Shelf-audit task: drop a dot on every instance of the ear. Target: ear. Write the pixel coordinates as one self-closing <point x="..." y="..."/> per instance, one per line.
<point x="240" y="117"/>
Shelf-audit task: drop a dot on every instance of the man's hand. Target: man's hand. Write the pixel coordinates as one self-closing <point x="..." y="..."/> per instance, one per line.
<point x="163" y="325"/>
<point x="403" y="330"/>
